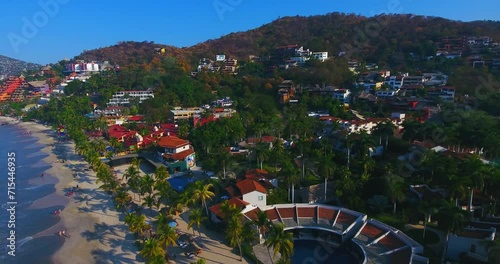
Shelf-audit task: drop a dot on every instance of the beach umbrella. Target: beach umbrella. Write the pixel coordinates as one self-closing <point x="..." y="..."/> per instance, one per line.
<point x="172" y="224"/>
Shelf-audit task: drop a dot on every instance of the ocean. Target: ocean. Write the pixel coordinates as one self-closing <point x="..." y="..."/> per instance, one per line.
<point x="35" y="241"/>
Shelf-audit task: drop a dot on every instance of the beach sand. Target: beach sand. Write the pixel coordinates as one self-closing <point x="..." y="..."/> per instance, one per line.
<point x="97" y="231"/>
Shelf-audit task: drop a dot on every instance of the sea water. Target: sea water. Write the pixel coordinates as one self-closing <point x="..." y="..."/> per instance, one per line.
<point x="33" y="243"/>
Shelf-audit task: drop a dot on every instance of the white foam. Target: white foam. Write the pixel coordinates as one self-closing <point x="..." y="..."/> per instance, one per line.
<point x="23" y="241"/>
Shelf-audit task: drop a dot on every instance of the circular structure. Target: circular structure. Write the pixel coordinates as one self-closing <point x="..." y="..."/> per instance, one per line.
<point x="312" y="251"/>
<point x="365" y="240"/>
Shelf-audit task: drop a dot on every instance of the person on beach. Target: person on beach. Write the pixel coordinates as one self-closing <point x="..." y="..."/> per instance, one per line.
<point x="59" y="211"/>
<point x="41" y="176"/>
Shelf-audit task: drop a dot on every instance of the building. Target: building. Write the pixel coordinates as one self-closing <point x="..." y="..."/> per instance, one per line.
<point x="395" y="82"/>
<point x="445" y="93"/>
<point x="123" y="98"/>
<point x="385" y="93"/>
<point x="185" y="113"/>
<point x="321" y="55"/>
<point x="413" y="80"/>
<point x="230" y="66"/>
<point x="261" y="176"/>
<point x="252" y="192"/>
<point x="176" y="153"/>
<point x="342" y="95"/>
<point x="471" y="243"/>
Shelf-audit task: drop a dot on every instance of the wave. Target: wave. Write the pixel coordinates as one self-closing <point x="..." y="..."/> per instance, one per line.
<point x="23" y="241"/>
<point x="33" y="187"/>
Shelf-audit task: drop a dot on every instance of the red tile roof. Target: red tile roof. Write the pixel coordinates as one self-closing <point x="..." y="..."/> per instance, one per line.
<point x="248" y="186"/>
<point x="309" y="212"/>
<point x="326" y="213"/>
<point x="264" y="139"/>
<point x="233" y="201"/>
<point x="179" y="156"/>
<point x="135" y="118"/>
<point x="233" y="192"/>
<point x="172" y="142"/>
<point x="287" y="212"/>
<point x="346" y="218"/>
<point x="272" y="214"/>
<point x="252" y="214"/>
<point x="391" y="241"/>
<point x="372" y="231"/>
<point x="257" y="174"/>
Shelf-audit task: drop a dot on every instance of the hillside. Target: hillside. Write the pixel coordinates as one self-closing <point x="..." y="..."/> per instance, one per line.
<point x="9" y="66"/>
<point x="376" y="39"/>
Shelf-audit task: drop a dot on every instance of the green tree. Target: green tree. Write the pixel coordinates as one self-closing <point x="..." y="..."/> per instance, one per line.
<point x="196" y="218"/>
<point x="152" y="249"/>
<point x="280" y="241"/>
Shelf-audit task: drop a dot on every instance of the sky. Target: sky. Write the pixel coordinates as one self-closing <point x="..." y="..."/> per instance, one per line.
<point x="47" y="31"/>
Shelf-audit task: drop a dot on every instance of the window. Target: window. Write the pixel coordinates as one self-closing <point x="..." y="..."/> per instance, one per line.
<point x="261" y="198"/>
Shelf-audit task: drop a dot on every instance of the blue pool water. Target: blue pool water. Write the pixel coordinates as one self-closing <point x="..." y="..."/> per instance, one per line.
<point x="314" y="252"/>
<point x="179" y="183"/>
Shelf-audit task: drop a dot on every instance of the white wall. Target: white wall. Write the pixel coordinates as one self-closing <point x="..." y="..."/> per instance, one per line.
<point x="253" y="198"/>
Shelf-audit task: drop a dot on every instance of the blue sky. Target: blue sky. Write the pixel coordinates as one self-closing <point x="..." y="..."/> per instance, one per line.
<point x="33" y="33"/>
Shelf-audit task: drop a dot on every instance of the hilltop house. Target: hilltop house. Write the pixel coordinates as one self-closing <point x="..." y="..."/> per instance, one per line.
<point x="176" y="153"/>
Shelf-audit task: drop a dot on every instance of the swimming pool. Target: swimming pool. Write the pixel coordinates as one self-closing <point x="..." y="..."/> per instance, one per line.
<point x="314" y="252"/>
<point x="179" y="183"/>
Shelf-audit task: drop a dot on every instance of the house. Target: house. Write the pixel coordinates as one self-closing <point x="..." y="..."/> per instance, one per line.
<point x="445" y="93"/>
<point x="252" y="192"/>
<point x="185" y="113"/>
<point x="471" y="243"/>
<point x="321" y="55"/>
<point x="342" y="95"/>
<point x="251" y="142"/>
<point x="176" y="153"/>
<point x="261" y="176"/>
<point x="395" y="82"/>
<point x="385" y="93"/>
<point x="123" y="98"/>
<point x="216" y="214"/>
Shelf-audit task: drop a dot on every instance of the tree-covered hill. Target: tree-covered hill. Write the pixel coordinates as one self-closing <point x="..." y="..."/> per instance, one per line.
<point x="376" y="39"/>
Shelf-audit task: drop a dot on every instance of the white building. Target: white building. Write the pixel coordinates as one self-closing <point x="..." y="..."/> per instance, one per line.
<point x="123" y="98"/>
<point x="385" y="94"/>
<point x="186" y="113"/>
<point x="252" y="192"/>
<point x="471" y="242"/>
<point x="395" y="82"/>
<point x="342" y="95"/>
<point x="321" y="55"/>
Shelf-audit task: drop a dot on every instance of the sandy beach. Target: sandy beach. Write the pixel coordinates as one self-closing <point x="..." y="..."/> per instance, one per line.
<point x="97" y="231"/>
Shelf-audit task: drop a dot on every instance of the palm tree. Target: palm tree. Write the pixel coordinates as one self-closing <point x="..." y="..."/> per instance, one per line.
<point x="122" y="198"/>
<point x="161" y="173"/>
<point x="261" y="222"/>
<point x="162" y="219"/>
<point x="195" y="218"/>
<point x="137" y="224"/>
<point x="280" y="241"/>
<point x="384" y="129"/>
<point x="150" y="201"/>
<point x="203" y="193"/>
<point x="326" y="169"/>
<point x="428" y="209"/>
<point x="167" y="236"/>
<point x="152" y="249"/>
<point x="395" y="187"/>
<point x="234" y="232"/>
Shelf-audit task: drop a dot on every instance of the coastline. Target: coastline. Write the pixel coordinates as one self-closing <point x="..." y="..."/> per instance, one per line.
<point x="97" y="231"/>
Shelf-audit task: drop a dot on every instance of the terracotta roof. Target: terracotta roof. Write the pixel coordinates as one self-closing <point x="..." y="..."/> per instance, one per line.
<point x="233" y="201"/>
<point x="172" y="142"/>
<point x="252" y="214"/>
<point x="258" y="174"/>
<point x="233" y="192"/>
<point x="248" y="186"/>
<point x="179" y="156"/>
<point x="264" y="139"/>
<point x="135" y="118"/>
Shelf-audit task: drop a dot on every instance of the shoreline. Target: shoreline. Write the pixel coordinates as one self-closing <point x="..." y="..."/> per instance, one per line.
<point x="97" y="230"/>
